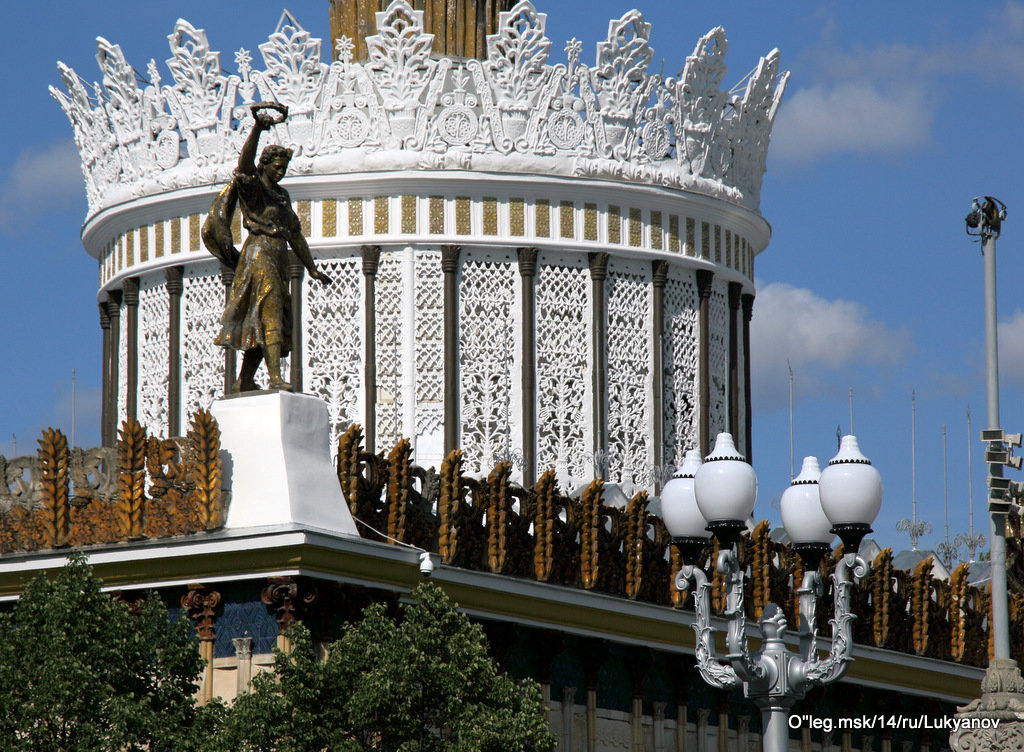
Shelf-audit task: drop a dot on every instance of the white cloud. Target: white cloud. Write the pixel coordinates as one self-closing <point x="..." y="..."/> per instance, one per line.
<point x="1011" y="349"/>
<point x="884" y="98"/>
<point x="826" y="342"/>
<point x="41" y="181"/>
<point x="850" y="117"/>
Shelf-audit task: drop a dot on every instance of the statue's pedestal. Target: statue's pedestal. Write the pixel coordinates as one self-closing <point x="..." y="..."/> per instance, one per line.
<point x="995" y="721"/>
<point x="277" y="465"/>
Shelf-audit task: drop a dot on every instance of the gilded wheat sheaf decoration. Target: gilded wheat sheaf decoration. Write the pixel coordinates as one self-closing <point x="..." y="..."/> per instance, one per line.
<point x="54" y="488"/>
<point x="398" y="489"/>
<point x="543" y="527"/>
<point x="449" y="505"/>
<point x="206" y="471"/>
<point x="131" y="451"/>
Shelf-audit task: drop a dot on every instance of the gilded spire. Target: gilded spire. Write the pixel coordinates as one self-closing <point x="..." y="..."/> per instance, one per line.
<point x="460" y="27"/>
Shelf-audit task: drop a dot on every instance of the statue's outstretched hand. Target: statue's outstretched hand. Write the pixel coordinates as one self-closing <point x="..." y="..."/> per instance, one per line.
<point x="268" y="114"/>
<point x="319" y="276"/>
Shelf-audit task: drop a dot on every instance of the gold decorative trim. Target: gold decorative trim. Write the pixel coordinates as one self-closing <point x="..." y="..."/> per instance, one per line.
<point x="590" y="221"/>
<point x="381" y="215"/>
<point x="144" y="243"/>
<point x="130" y="245"/>
<point x="176" y="235"/>
<point x="542" y="219"/>
<point x="614" y="224"/>
<point x="490" y="215"/>
<point x="691" y="237"/>
<point x="158" y="239"/>
<point x="355" y="216"/>
<point x="728" y="248"/>
<point x="436" y="215"/>
<point x="328" y="218"/>
<point x="656" y="229"/>
<point x="303" y="210"/>
<point x="193" y="232"/>
<point x="463" y="217"/>
<point x="517" y="217"/>
<point x="636" y="228"/>
<point x="718" y="244"/>
<point x="705" y="240"/>
<point x="408" y="214"/>
<point x="673" y="233"/>
<point x="566" y="220"/>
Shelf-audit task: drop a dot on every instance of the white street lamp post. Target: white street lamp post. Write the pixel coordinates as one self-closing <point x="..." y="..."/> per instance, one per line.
<point x="718" y="496"/>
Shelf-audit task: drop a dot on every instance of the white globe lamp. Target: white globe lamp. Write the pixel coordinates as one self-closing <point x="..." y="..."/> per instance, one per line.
<point x="809" y="530"/>
<point x="851" y="493"/>
<point x="726" y="488"/>
<point x="679" y="510"/>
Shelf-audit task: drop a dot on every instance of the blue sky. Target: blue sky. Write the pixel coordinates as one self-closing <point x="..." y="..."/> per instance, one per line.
<point x="895" y="117"/>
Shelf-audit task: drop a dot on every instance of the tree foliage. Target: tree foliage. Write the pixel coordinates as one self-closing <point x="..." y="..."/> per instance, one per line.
<point x="424" y="682"/>
<point x="80" y="673"/>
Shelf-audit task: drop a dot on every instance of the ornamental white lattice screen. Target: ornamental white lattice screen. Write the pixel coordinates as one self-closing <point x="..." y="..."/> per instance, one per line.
<point x="390" y="348"/>
<point x="563" y="335"/>
<point x="154" y="353"/>
<point x="332" y="346"/>
<point x="429" y="298"/>
<point x="681" y="397"/>
<point x="628" y="367"/>
<point x="202" y="362"/>
<point x="718" y="358"/>
<point x="487" y="358"/>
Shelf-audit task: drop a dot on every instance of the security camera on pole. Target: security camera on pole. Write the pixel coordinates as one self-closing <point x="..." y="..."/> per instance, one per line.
<point x="1002" y="688"/>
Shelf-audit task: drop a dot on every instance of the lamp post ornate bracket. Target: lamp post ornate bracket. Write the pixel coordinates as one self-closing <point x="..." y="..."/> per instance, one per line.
<point x="774" y="677"/>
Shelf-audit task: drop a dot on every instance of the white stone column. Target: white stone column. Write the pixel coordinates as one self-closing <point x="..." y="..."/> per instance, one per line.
<point x="243" y="653"/>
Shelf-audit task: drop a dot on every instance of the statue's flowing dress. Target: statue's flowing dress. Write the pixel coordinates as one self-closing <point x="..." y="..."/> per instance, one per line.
<point x="258" y="311"/>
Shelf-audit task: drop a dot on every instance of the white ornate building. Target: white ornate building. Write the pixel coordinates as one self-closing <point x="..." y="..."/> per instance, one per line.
<point x="551" y="262"/>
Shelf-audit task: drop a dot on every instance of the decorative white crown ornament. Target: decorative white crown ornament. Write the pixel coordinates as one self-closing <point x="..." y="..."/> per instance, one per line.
<point x="403" y="109"/>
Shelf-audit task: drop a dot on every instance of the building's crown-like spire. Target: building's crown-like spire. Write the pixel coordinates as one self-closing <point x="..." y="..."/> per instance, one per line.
<point x="403" y="108"/>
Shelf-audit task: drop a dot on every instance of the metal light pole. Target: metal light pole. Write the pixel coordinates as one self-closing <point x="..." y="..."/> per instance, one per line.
<point x="718" y="496"/>
<point x="987" y="218"/>
<point x="1002" y="688"/>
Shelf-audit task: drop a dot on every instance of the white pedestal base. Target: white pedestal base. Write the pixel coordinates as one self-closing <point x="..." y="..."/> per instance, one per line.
<point x="277" y="464"/>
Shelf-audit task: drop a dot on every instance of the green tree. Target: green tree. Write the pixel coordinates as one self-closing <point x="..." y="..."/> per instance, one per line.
<point x="80" y="673"/>
<point x="418" y="683"/>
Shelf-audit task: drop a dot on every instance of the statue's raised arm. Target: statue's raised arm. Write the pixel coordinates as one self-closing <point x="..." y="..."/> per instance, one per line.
<point x="257" y="317"/>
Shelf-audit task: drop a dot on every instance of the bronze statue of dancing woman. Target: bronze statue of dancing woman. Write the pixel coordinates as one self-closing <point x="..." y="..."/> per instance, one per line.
<point x="257" y="317"/>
